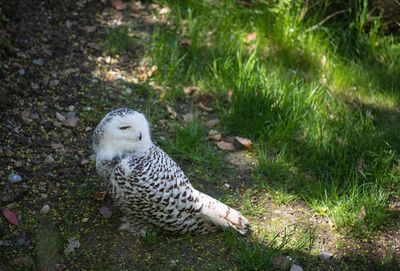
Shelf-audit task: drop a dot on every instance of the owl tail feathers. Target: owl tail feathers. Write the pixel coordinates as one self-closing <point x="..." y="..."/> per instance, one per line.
<point x="223" y="215"/>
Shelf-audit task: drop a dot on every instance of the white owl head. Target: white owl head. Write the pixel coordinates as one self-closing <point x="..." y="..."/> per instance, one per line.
<point x="121" y="131"/>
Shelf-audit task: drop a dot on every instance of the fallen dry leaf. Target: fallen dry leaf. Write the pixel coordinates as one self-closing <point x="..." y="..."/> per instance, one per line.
<point x="212" y="123"/>
<point x="118" y="4"/>
<point x="152" y="70"/>
<point x="105" y="211"/>
<point x="26" y="116"/>
<point x="185" y="42"/>
<point x="60" y="117"/>
<point x="204" y="108"/>
<point x="361" y="214"/>
<point x="164" y="10"/>
<point x="246" y="143"/>
<point x="205" y="98"/>
<point x="214" y="136"/>
<point x="229" y="94"/>
<point x="251" y="37"/>
<point x="187" y="117"/>
<point x="226" y="146"/>
<point x="99" y="195"/>
<point x="10" y="216"/>
<point x="229" y="139"/>
<point x="190" y="90"/>
<point x="171" y="112"/>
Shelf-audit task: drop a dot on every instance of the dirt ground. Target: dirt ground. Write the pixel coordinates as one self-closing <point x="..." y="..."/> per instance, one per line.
<point x="55" y="85"/>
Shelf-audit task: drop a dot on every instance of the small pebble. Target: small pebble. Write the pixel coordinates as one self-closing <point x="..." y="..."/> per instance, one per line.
<point x="71" y="115"/>
<point x="34" y="86"/>
<point x="88" y="129"/>
<point x="18" y="163"/>
<point x="128" y="91"/>
<point x="54" y="83"/>
<point x="71" y="108"/>
<point x="227" y="185"/>
<point x="45" y="209"/>
<point x="34" y="116"/>
<point x="68" y="24"/>
<point x="85" y="162"/>
<point x="44" y="196"/>
<point x="47" y="51"/>
<point x="325" y="256"/>
<point x="281" y="262"/>
<point x="85" y="219"/>
<point x="38" y="62"/>
<point x="14" y="178"/>
<point x="296" y="267"/>
<point x="87" y="108"/>
<point x="49" y="159"/>
<point x="21" y="72"/>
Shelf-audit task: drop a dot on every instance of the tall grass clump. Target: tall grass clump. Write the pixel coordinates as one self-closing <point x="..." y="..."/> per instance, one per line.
<point x="300" y="81"/>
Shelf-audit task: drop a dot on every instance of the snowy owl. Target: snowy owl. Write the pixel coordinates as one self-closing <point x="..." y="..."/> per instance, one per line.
<point x="148" y="186"/>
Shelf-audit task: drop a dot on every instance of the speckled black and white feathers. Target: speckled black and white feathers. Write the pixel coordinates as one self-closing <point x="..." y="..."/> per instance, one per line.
<point x="148" y="186"/>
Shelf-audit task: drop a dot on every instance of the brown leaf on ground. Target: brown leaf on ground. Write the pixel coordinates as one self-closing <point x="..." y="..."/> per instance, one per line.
<point x="204" y="108"/>
<point x="119" y="4"/>
<point x="230" y="139"/>
<point x="99" y="195"/>
<point x="226" y="146"/>
<point x="212" y="123"/>
<point x="190" y="90"/>
<point x="246" y="143"/>
<point x="214" y="135"/>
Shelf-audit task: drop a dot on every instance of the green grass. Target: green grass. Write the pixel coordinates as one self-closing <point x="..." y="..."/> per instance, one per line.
<point x="304" y="95"/>
<point x="188" y="144"/>
<point x="118" y="41"/>
<point x="47" y="246"/>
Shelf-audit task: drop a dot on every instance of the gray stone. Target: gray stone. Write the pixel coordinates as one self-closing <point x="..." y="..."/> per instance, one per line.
<point x="45" y="209"/>
<point x="14" y="178"/>
<point x="38" y="62"/>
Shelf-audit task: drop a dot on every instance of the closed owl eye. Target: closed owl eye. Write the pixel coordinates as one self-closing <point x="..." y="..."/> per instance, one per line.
<point x="140" y="136"/>
<point x="124" y="127"/>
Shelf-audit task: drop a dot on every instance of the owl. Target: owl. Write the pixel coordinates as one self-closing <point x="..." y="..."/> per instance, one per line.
<point x="148" y="186"/>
